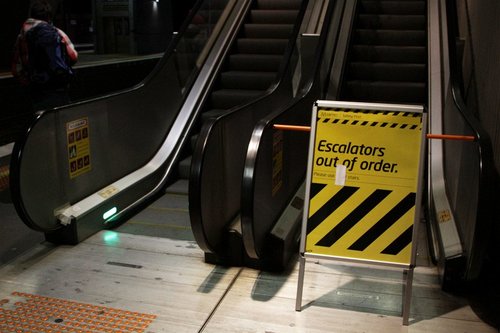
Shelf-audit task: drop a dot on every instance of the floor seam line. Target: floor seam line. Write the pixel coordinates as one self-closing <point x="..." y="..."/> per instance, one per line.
<point x="202" y="328"/>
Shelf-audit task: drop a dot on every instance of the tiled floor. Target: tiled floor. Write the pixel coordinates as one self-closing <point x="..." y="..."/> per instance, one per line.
<point x="168" y="279"/>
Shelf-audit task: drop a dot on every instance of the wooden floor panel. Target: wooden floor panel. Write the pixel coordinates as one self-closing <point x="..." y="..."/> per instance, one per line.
<point x="168" y="279"/>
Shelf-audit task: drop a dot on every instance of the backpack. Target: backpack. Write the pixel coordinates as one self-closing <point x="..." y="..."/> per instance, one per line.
<point x="47" y="56"/>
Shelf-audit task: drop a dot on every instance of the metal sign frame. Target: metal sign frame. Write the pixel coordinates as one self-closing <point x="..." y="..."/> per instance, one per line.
<point x="363" y="109"/>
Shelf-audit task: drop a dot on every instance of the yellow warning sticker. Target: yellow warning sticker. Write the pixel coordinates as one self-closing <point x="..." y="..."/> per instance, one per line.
<point x="364" y="179"/>
<point x="78" y="143"/>
<point x="108" y="192"/>
<point x="277" y="174"/>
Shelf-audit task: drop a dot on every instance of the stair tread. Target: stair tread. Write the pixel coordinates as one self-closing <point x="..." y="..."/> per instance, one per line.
<point x="279" y="4"/>
<point x="388" y="21"/>
<point x="261" y="45"/>
<point x="387" y="71"/>
<point x="393" y="7"/>
<point x="390" y="37"/>
<point x="386" y="83"/>
<point x="255" y="30"/>
<point x="247" y="80"/>
<point x="385" y="91"/>
<point x="260" y="62"/>
<point x="274" y="16"/>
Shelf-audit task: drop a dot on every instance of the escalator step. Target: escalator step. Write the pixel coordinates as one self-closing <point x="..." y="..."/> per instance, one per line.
<point x="279" y="4"/>
<point x="227" y="98"/>
<point x="261" y="46"/>
<point x="390" y="37"/>
<point x="399" y="22"/>
<point x="393" y="7"/>
<point x="282" y="16"/>
<point x="268" y="30"/>
<point x="401" y="54"/>
<point x="387" y="72"/>
<point x="247" y="80"/>
<point x="384" y="91"/>
<point x="255" y="62"/>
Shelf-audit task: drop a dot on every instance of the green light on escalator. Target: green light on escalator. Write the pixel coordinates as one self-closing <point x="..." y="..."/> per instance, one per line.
<point x="111" y="238"/>
<point x="109" y="213"/>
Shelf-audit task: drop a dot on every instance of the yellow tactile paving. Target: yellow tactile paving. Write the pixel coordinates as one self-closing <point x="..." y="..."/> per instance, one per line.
<point x="22" y="312"/>
<point x="4" y="177"/>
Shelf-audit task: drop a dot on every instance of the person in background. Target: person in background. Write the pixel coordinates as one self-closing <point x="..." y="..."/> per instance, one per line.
<point x="42" y="58"/>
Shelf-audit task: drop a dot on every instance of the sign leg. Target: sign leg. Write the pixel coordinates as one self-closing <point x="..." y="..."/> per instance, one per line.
<point x="407" y="295"/>
<point x="300" y="283"/>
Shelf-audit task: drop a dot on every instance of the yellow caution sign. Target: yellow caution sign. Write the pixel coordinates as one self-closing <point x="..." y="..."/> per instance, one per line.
<point x="363" y="183"/>
<point x="78" y="143"/>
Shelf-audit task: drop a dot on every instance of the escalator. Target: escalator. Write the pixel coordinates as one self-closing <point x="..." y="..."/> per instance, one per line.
<point x="386" y="53"/>
<point x="217" y="201"/>
<point x="376" y="51"/>
<point x="387" y="60"/>
<point x="83" y="167"/>
<point x="380" y="56"/>
<point x="252" y="65"/>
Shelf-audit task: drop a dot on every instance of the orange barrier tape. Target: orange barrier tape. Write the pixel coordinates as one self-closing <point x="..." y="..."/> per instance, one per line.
<point x="293" y="128"/>
<point x="429" y="136"/>
<point x="451" y="137"/>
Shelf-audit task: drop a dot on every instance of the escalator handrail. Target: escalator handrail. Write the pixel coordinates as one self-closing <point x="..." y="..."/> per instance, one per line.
<point x="457" y="83"/>
<point x="208" y="127"/>
<point x="266" y="124"/>
<point x="487" y="175"/>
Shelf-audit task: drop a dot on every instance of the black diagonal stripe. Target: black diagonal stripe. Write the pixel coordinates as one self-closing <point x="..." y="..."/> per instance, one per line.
<point x="335" y="202"/>
<point x="354" y="217"/>
<point x="384" y="223"/>
<point x="315" y="189"/>
<point x="400" y="243"/>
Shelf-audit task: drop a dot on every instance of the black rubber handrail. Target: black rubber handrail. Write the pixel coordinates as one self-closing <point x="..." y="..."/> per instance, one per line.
<point x="256" y="173"/>
<point x="488" y="179"/>
<point x="212" y="198"/>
